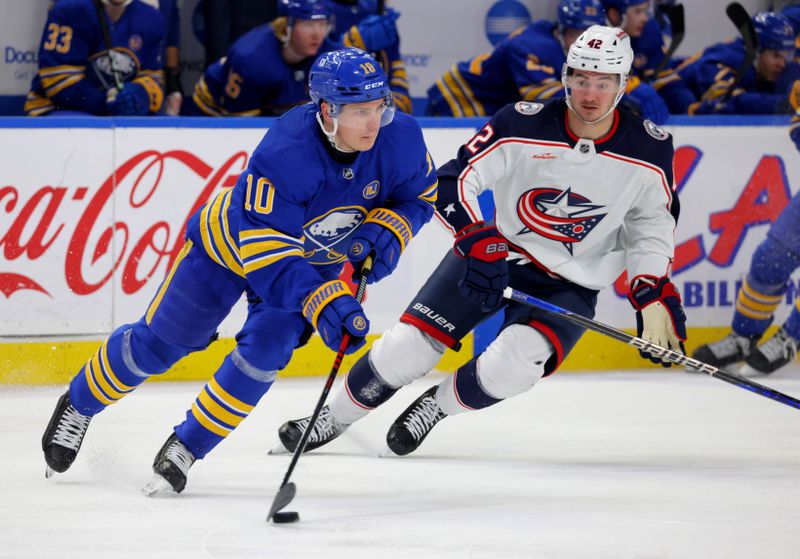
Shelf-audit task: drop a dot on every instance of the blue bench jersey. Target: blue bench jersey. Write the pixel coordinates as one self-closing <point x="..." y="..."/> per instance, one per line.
<point x="347" y="17"/>
<point x="525" y="65"/>
<point x="286" y="225"/>
<point x="649" y="49"/>
<point x="709" y="74"/>
<point x="253" y="79"/>
<point x="74" y="68"/>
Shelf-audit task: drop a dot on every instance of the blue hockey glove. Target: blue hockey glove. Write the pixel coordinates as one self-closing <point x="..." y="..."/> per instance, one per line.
<point x="384" y="234"/>
<point x="379" y="32"/>
<point x="659" y="315"/>
<point x="486" y="275"/>
<point x="133" y="100"/>
<point x="649" y="103"/>
<point x="332" y="310"/>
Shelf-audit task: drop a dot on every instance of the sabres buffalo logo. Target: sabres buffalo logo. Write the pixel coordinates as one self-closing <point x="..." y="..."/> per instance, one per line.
<point x="326" y="235"/>
<point x="559" y="215"/>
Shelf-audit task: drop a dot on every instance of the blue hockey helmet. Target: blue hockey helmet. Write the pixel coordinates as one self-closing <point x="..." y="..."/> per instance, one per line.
<point x="349" y="75"/>
<point x="305" y="9"/>
<point x="581" y="14"/>
<point x="774" y="31"/>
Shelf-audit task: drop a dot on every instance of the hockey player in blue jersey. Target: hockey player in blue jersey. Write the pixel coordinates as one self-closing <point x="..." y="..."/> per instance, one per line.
<point x="266" y="70"/>
<point x="792" y="13"/>
<point x="337" y="179"/>
<point x="582" y="191"/>
<point x="523" y="66"/>
<point x="763" y="89"/>
<point x="76" y="73"/>
<point x="653" y="96"/>
<point x="359" y="25"/>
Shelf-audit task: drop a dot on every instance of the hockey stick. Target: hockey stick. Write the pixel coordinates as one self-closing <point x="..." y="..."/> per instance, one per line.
<point x="674" y="14"/>
<point x="287" y="490"/>
<point x="741" y="20"/>
<point x="101" y="18"/>
<point x="656" y="350"/>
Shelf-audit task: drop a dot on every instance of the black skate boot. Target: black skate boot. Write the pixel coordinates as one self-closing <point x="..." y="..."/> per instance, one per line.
<point x="171" y="467"/>
<point x="730" y="349"/>
<point x="63" y="437"/>
<point x="773" y="354"/>
<point x="413" y="425"/>
<point x="326" y="428"/>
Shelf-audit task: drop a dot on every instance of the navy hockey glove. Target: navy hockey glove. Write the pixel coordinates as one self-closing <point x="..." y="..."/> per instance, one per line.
<point x="379" y="32"/>
<point x="384" y="234"/>
<point x="649" y="103"/>
<point x="486" y="275"/>
<point x="659" y="315"/>
<point x="332" y="310"/>
<point x="133" y="100"/>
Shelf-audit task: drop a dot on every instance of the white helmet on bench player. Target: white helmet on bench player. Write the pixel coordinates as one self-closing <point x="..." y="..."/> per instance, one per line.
<point x="600" y="49"/>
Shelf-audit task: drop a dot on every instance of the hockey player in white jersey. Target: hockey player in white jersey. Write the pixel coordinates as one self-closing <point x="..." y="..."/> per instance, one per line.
<point x="583" y="191"/>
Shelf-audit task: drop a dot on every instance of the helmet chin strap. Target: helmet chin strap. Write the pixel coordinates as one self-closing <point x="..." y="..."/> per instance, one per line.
<point x="332" y="135"/>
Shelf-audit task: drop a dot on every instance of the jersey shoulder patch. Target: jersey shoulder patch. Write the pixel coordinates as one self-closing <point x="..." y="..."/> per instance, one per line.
<point x="528" y="108"/>
<point x="655" y="131"/>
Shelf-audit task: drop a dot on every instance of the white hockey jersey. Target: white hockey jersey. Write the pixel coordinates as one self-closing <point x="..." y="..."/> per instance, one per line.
<point x="582" y="210"/>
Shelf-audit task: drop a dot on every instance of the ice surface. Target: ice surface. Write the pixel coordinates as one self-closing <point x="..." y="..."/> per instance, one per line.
<point x="613" y="465"/>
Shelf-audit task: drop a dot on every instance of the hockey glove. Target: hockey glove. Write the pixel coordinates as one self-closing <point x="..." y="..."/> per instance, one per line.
<point x="332" y="310"/>
<point x="648" y="102"/>
<point x="379" y="32"/>
<point x="486" y="275"/>
<point x="132" y="100"/>
<point x="384" y="234"/>
<point x="659" y="315"/>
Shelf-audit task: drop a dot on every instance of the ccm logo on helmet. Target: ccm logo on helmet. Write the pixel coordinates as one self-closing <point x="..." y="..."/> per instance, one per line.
<point x="373" y="85"/>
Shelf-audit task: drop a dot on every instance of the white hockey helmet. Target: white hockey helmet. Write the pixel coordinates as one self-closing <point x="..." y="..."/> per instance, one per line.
<point x="600" y="49"/>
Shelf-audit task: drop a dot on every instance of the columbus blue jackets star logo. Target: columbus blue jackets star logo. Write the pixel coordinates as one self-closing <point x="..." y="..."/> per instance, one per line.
<point x="559" y="215"/>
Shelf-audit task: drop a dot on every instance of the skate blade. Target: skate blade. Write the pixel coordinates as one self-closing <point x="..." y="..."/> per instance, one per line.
<point x="387" y="453"/>
<point x="158" y="487"/>
<point x="49" y="472"/>
<point x="278" y="449"/>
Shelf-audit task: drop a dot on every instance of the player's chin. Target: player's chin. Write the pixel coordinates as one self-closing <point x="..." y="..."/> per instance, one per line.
<point x="366" y="143"/>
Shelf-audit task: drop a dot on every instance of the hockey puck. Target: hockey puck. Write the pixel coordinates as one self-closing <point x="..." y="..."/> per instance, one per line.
<point x="285" y="517"/>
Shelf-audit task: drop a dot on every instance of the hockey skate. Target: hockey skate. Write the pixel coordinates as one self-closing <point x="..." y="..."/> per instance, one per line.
<point x="413" y="425"/>
<point x="63" y="437"/>
<point x="170" y="467"/>
<point x="326" y="428"/>
<point x="730" y="349"/>
<point x="773" y="354"/>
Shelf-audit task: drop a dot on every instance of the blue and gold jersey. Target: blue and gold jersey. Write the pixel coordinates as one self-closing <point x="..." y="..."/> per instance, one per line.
<point x="526" y="65"/>
<point x="710" y="74"/>
<point x="286" y="225"/>
<point x="74" y="66"/>
<point x="253" y="79"/>
<point x="347" y="16"/>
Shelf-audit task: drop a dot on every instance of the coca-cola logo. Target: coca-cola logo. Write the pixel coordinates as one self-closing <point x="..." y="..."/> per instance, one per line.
<point x="101" y="243"/>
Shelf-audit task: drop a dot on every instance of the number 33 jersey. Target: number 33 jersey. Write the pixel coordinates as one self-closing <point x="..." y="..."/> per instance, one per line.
<point x="582" y="210"/>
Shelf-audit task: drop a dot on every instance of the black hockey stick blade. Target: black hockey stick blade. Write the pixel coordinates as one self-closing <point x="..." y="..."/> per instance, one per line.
<point x="284" y="496"/>
<point x="657" y="350"/>
<point x="677" y="26"/>
<point x="288" y="489"/>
